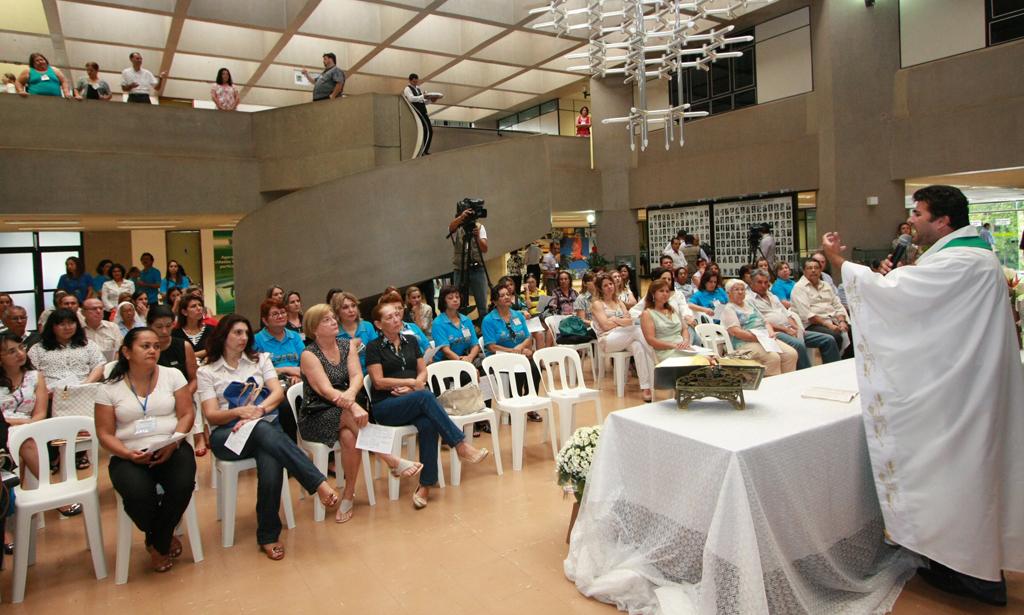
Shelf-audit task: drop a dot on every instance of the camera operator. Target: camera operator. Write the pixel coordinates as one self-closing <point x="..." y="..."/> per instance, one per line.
<point x="762" y="243"/>
<point x="477" y="275"/>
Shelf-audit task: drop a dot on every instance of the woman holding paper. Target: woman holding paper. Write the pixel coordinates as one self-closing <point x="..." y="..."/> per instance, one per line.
<point x="141" y="405"/>
<point x="660" y="323"/>
<point x="231" y="359"/>
<point x="333" y="402"/>
<point x="750" y="332"/>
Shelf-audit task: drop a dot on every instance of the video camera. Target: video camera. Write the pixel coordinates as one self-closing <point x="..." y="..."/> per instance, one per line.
<point x="755" y="232"/>
<point x="475" y="207"/>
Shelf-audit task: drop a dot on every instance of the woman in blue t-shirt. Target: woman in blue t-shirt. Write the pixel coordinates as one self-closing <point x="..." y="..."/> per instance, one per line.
<point x="454" y="334"/>
<point x="76" y="281"/>
<point x="102" y="275"/>
<point x="505" y="330"/>
<point x="710" y="292"/>
<point x="175" y="278"/>
<point x="351" y="325"/>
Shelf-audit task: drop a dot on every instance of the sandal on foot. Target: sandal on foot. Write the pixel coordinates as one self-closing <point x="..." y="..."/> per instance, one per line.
<point x="481" y="454"/>
<point x="406" y="469"/>
<point x="82" y="463"/>
<point x="418" y="502"/>
<point x="534" y="417"/>
<point x="273" y="552"/>
<point x="345" y="511"/>
<point x="71" y="510"/>
<point x="175" y="551"/>
<point x="163" y="563"/>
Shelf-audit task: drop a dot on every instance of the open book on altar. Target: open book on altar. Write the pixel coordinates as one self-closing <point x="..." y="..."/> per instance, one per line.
<point x="668" y="371"/>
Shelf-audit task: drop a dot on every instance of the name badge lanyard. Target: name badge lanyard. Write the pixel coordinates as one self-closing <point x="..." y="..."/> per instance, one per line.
<point x="144" y="404"/>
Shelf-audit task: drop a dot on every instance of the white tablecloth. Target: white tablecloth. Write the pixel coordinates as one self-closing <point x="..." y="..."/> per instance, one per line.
<point x="712" y="510"/>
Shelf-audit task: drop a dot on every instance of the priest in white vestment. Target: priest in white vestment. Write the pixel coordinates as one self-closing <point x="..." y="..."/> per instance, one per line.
<point x="942" y="390"/>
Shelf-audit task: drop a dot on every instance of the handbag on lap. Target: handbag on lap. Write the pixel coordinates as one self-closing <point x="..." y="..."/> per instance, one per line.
<point x="461" y="401"/>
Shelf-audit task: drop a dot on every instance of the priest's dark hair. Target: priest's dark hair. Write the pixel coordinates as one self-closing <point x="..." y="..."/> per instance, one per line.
<point x="945" y="201"/>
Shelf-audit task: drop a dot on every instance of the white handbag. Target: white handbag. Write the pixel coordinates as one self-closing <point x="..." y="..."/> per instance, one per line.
<point x="76" y="400"/>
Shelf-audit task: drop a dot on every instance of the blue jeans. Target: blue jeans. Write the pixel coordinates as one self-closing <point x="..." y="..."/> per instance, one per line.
<point x="477" y="287"/>
<point x="273" y="452"/>
<point x="420" y="408"/>
<point x="825" y="344"/>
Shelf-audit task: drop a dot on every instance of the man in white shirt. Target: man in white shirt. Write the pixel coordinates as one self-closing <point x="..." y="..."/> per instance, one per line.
<point x="675" y="250"/>
<point x="818" y="306"/>
<point x="139" y="83"/>
<point x="787" y="325"/>
<point x="103" y="333"/>
<point x="414" y="95"/>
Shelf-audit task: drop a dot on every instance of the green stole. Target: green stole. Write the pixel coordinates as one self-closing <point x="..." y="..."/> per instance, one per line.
<point x="967" y="242"/>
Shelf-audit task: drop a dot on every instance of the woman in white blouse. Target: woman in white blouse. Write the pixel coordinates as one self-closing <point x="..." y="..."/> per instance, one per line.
<point x="64" y="355"/>
<point x="616" y="332"/>
<point x="23" y="396"/>
<point x="231" y="358"/>
<point x="140" y="405"/>
<point x="113" y="288"/>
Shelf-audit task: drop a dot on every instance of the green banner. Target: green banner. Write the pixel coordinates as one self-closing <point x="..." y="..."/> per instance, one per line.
<point x="224" y="271"/>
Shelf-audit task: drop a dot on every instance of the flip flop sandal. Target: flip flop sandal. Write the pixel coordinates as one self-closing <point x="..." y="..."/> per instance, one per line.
<point x="345" y="511"/>
<point x="418" y="502"/>
<point x="481" y="454"/>
<point x="175" y="550"/>
<point x="406" y="469"/>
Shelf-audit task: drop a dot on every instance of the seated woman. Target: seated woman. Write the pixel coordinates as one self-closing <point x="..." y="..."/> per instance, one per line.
<point x="582" y="306"/>
<point x="140" y="404"/>
<point x="231" y="358"/>
<point x="141" y="302"/>
<point x="739" y="317"/>
<point x="709" y="294"/>
<point x="177" y="353"/>
<point x="616" y="332"/>
<point x="504" y="330"/>
<point x="126" y="318"/>
<point x="563" y="298"/>
<point x="333" y="401"/>
<point x="628" y="281"/>
<point x="417" y="311"/>
<point x="64" y="355"/>
<point x="171" y="300"/>
<point x="663" y="330"/>
<point x="284" y="347"/>
<point x="622" y="290"/>
<point x="293" y="305"/>
<point x="454" y="334"/>
<point x="531" y="294"/>
<point x="191" y="323"/>
<point x="401" y="397"/>
<point x="392" y="296"/>
<point x="23" y="400"/>
<point x="351" y="325"/>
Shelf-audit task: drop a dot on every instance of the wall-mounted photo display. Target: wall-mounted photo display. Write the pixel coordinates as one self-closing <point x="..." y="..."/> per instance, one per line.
<point x="663" y="224"/>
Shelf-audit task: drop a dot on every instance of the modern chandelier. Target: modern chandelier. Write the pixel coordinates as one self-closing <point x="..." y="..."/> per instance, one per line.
<point x="660" y="41"/>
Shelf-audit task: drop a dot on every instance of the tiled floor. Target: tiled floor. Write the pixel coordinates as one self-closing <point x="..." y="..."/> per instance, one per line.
<point x="493" y="545"/>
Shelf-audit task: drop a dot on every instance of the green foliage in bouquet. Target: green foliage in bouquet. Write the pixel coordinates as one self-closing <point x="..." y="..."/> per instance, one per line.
<point x="574" y="460"/>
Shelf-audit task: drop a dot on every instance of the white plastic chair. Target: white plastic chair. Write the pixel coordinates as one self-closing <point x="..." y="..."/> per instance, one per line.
<point x="320" y="452"/>
<point x="508" y="400"/>
<point x="406" y="433"/>
<point x="620" y="366"/>
<point x="703" y="319"/>
<point x="31" y="503"/>
<point x="712" y="335"/>
<point x="227" y="496"/>
<point x="442" y="372"/>
<point x="552" y="323"/>
<point x="558" y="387"/>
<point x="124" y="537"/>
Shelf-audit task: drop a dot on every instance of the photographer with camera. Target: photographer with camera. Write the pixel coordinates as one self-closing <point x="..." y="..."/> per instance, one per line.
<point x="762" y="243"/>
<point x="469" y="241"/>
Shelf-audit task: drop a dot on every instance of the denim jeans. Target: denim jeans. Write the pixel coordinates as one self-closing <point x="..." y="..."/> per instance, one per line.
<point x="836" y="336"/>
<point x="825" y="344"/>
<point x="477" y="287"/>
<point x="156" y="515"/>
<point x="273" y="452"/>
<point x="420" y="408"/>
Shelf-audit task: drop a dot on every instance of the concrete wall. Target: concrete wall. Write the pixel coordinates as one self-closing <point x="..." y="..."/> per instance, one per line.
<point x="388" y="225"/>
<point x="446" y="138"/>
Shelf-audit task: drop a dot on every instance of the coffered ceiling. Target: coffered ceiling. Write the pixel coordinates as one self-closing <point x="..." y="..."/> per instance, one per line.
<point x="481" y="54"/>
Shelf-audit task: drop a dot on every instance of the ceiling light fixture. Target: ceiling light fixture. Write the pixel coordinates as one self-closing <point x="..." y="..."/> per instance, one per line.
<point x="42" y="222"/>
<point x="661" y="40"/>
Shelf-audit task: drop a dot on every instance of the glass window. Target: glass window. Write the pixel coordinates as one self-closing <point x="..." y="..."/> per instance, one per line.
<point x="16" y="272"/>
<point x="549" y="106"/>
<point x="507" y="122"/>
<point x="743" y="69"/>
<point x="704" y="106"/>
<point x="722" y="104"/>
<point x="528" y="114"/>
<point x="54" y="267"/>
<point x="720" y="78"/>
<point x="16" y="240"/>
<point x="1008" y="29"/>
<point x="698" y="84"/>
<point x="59" y="238"/>
<point x="745" y="98"/>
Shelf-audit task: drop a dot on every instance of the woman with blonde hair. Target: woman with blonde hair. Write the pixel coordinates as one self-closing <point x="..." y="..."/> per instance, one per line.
<point x="617" y="332"/>
<point x="351" y="325"/>
<point x="417" y="311"/>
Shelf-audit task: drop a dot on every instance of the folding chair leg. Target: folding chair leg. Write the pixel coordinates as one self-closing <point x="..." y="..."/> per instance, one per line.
<point x="195" y="540"/>
<point x="496" y="452"/>
<point x="94" y="530"/>
<point x="598" y="411"/>
<point x="552" y="435"/>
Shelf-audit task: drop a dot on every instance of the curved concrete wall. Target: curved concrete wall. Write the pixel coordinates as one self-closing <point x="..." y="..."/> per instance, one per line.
<point x="388" y="225"/>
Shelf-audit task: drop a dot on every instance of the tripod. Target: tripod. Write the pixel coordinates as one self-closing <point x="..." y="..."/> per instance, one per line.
<point x="466" y="265"/>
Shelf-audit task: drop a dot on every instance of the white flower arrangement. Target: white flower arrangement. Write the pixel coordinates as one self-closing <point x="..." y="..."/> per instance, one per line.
<point x="574" y="460"/>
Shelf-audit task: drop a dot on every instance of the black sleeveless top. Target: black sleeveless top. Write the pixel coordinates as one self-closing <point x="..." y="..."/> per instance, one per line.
<point x="174" y="356"/>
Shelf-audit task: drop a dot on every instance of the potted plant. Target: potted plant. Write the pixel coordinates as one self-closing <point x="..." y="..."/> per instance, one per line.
<point x="573" y="463"/>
